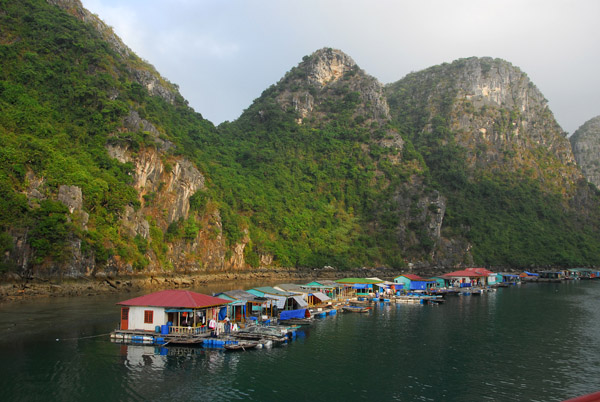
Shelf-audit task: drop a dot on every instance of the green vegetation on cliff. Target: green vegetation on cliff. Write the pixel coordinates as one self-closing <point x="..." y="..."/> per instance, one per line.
<point x="510" y="208"/>
<point x="308" y="194"/>
<point x="63" y="93"/>
<point x="314" y="172"/>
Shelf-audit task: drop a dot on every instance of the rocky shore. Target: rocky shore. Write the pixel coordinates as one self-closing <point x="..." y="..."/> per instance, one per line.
<point x="13" y="288"/>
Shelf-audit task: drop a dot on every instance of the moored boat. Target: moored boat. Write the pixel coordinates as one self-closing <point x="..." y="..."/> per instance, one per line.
<point x="355" y="309"/>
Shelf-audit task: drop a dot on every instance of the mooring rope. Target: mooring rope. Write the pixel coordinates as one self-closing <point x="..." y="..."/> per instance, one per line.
<point x="82" y="337"/>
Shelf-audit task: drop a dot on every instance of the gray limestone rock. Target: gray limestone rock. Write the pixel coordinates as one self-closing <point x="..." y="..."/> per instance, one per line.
<point x="586" y="147"/>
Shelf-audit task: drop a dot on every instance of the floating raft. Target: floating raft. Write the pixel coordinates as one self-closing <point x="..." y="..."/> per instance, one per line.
<point x="148" y="338"/>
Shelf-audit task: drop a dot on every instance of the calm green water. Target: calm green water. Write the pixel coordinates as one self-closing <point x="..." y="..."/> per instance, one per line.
<point x="538" y="342"/>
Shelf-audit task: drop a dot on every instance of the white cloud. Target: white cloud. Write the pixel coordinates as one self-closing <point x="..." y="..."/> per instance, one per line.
<point x="224" y="53"/>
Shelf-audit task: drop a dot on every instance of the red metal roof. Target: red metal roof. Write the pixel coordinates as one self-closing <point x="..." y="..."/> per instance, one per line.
<point x="469" y="272"/>
<point x="175" y="298"/>
<point x="415" y="278"/>
<point x="412" y="277"/>
<point x="482" y="271"/>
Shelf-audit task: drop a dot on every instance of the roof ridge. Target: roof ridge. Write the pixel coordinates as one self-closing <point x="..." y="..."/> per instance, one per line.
<point x="189" y="296"/>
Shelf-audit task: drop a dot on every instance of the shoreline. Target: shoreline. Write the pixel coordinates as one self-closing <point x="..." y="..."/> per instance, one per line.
<point x="14" y="290"/>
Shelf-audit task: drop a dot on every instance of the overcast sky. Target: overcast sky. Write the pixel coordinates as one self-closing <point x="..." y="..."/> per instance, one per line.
<point x="224" y="53"/>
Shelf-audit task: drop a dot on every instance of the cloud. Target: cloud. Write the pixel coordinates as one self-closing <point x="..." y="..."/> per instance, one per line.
<point x="224" y="53"/>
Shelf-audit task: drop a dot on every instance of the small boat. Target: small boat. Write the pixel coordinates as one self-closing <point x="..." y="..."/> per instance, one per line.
<point x="241" y="346"/>
<point x="297" y="321"/>
<point x="355" y="309"/>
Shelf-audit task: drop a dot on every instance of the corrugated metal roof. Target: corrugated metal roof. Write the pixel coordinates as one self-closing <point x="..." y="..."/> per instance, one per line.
<point x="279" y="301"/>
<point x="466" y="273"/>
<point x="290" y="287"/>
<point x="301" y="302"/>
<point x="321" y="296"/>
<point x="482" y="271"/>
<point x="175" y="298"/>
<point x="239" y="294"/>
<point x="358" y="280"/>
<point x="328" y="284"/>
<point x="272" y="291"/>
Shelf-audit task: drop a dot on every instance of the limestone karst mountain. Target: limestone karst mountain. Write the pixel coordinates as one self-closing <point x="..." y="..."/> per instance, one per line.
<point x="492" y="144"/>
<point x="107" y="170"/>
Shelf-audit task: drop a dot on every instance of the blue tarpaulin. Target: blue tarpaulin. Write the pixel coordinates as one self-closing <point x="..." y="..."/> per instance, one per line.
<point x="531" y="273"/>
<point x="418" y="285"/>
<point x="222" y="313"/>
<point x="288" y="314"/>
<point x="359" y="286"/>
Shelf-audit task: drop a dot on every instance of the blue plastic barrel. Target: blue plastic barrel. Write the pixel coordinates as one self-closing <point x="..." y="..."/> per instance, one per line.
<point x="164" y="330"/>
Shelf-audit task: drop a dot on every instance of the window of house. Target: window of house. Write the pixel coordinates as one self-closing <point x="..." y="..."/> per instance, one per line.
<point x="148" y="316"/>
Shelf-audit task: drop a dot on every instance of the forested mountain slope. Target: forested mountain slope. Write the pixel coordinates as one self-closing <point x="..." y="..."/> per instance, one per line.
<point x="105" y="168"/>
<point x="495" y="150"/>
<point x="72" y="96"/>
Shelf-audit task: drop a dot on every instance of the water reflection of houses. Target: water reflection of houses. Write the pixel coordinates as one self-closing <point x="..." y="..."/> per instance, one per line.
<point x="140" y="357"/>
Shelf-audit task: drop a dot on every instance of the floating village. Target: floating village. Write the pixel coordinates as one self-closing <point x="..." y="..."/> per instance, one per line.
<point x="267" y="316"/>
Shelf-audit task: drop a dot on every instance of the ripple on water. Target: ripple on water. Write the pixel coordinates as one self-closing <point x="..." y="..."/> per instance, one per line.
<point x="534" y="343"/>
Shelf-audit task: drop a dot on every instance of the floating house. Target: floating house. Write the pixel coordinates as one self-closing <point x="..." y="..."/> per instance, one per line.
<point x="284" y="300"/>
<point x="313" y="298"/>
<point x="415" y="282"/>
<point x="583" y="273"/>
<point x="382" y="287"/>
<point x="178" y="310"/>
<point x="527" y="276"/>
<point x="469" y="277"/>
<point x="551" y="276"/>
<point x="442" y="281"/>
<point x="360" y="286"/>
<point x="335" y="291"/>
<point x="509" y="279"/>
<point x="244" y="305"/>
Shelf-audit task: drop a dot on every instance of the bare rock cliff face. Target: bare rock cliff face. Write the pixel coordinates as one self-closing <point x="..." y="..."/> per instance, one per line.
<point x="496" y="113"/>
<point x="165" y="186"/>
<point x="77" y="263"/>
<point x="169" y="184"/>
<point x="586" y="147"/>
<point x="328" y="74"/>
<point x="524" y="118"/>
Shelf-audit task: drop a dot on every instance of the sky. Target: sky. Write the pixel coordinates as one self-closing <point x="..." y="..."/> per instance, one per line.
<point x="224" y="53"/>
